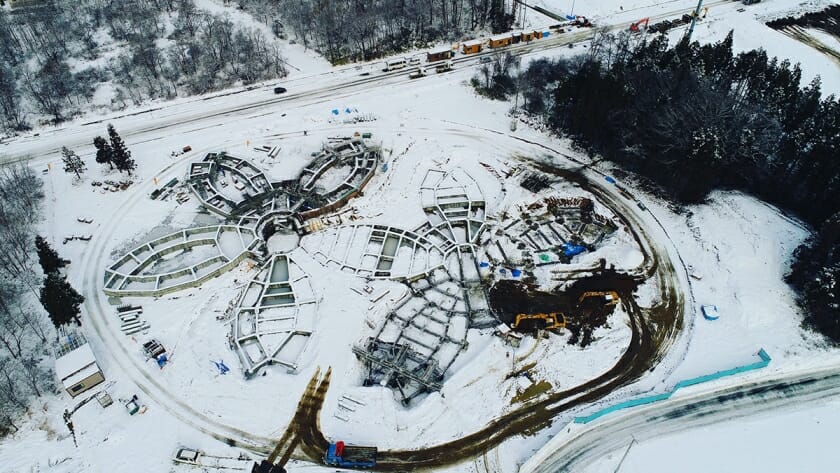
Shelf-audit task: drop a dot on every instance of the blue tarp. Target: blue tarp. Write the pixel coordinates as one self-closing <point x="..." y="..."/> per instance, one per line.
<point x="570" y="249"/>
<point x="223" y="369"/>
<point x="161" y="360"/>
<point x="483" y="264"/>
<point x="335" y="111"/>
<point x="516" y="272"/>
<point x="610" y="180"/>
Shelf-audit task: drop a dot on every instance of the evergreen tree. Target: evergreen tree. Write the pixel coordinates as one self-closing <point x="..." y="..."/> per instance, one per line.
<point x="60" y="300"/>
<point x="104" y="153"/>
<point x="47" y="256"/>
<point x="72" y="162"/>
<point x="815" y="273"/>
<point x="122" y="156"/>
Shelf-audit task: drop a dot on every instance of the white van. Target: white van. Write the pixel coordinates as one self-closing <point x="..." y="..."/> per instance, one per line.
<point x="394" y="64"/>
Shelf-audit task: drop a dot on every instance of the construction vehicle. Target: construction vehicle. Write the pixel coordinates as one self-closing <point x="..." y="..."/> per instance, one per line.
<point x="636" y="27"/>
<point x="610" y="297"/>
<point x="348" y="456"/>
<point x="539" y="321"/>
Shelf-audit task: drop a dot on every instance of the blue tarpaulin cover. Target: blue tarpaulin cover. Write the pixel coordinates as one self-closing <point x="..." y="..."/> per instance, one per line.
<point x="610" y="180"/>
<point x="570" y="249"/>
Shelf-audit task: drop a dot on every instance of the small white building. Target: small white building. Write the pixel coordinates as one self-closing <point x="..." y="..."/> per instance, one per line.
<point x="77" y="370"/>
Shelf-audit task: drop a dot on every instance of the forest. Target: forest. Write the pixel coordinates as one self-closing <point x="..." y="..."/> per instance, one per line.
<point x="368" y="29"/>
<point x="26" y="335"/>
<point x="56" y="55"/>
<point x="60" y="57"/>
<point x="693" y="118"/>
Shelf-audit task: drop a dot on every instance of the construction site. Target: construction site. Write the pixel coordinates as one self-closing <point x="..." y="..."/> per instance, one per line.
<point x="488" y="260"/>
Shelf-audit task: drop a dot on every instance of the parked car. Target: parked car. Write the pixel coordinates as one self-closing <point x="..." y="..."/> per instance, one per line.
<point x="279" y="90"/>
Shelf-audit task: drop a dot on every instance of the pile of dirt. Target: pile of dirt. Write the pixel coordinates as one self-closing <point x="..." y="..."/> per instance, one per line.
<point x="827" y="20"/>
<point x="509" y="298"/>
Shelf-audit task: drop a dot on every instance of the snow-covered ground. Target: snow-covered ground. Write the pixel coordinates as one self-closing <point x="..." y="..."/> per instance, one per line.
<point x="769" y="442"/>
<point x="735" y="248"/>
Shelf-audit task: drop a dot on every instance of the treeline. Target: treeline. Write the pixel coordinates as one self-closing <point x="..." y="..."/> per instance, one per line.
<point x="346" y="31"/>
<point x="56" y="53"/>
<point x="815" y="274"/>
<point x="25" y="333"/>
<point x="693" y="118"/>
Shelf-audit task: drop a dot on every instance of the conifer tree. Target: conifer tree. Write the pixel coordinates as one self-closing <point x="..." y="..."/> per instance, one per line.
<point x="72" y="162"/>
<point x="61" y="301"/>
<point x="121" y="155"/>
<point x="104" y="153"/>
<point x="47" y="256"/>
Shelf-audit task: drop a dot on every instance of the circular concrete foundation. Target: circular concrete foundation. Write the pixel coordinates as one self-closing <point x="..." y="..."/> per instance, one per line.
<point x="282" y="242"/>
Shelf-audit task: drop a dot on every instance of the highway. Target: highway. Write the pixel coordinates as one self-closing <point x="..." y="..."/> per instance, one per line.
<point x="572" y="451"/>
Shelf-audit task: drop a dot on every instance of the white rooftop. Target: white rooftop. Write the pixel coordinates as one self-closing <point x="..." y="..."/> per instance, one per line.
<point x="76" y="360"/>
<point x="80" y="375"/>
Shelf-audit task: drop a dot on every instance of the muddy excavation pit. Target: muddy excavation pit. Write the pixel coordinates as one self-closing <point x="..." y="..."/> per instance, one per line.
<point x="509" y="298"/>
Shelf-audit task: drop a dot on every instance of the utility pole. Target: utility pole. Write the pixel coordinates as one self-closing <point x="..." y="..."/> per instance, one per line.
<point x="694" y="20"/>
<point x="625" y="454"/>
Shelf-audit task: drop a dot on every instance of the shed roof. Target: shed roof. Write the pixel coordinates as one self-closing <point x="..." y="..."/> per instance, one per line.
<point x="74" y="361"/>
<point x="501" y="36"/>
<point x="80" y="375"/>
<point x="475" y="42"/>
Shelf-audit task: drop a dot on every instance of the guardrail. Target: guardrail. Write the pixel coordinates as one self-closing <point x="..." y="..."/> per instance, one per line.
<point x="764" y="361"/>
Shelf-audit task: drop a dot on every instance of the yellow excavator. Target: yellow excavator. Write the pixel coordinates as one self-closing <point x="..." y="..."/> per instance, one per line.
<point x="610" y="297"/>
<point x="541" y="321"/>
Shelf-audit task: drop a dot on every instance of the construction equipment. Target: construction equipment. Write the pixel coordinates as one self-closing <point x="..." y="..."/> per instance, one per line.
<point x="610" y="297"/>
<point x="347" y="456"/>
<point x="539" y="321"/>
<point x="636" y="27"/>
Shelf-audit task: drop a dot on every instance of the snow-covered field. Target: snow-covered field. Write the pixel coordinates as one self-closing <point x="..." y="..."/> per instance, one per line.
<point x="768" y="442"/>
<point x="735" y="250"/>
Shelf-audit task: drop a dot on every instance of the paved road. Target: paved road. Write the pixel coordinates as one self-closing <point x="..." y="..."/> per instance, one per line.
<point x="573" y="451"/>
